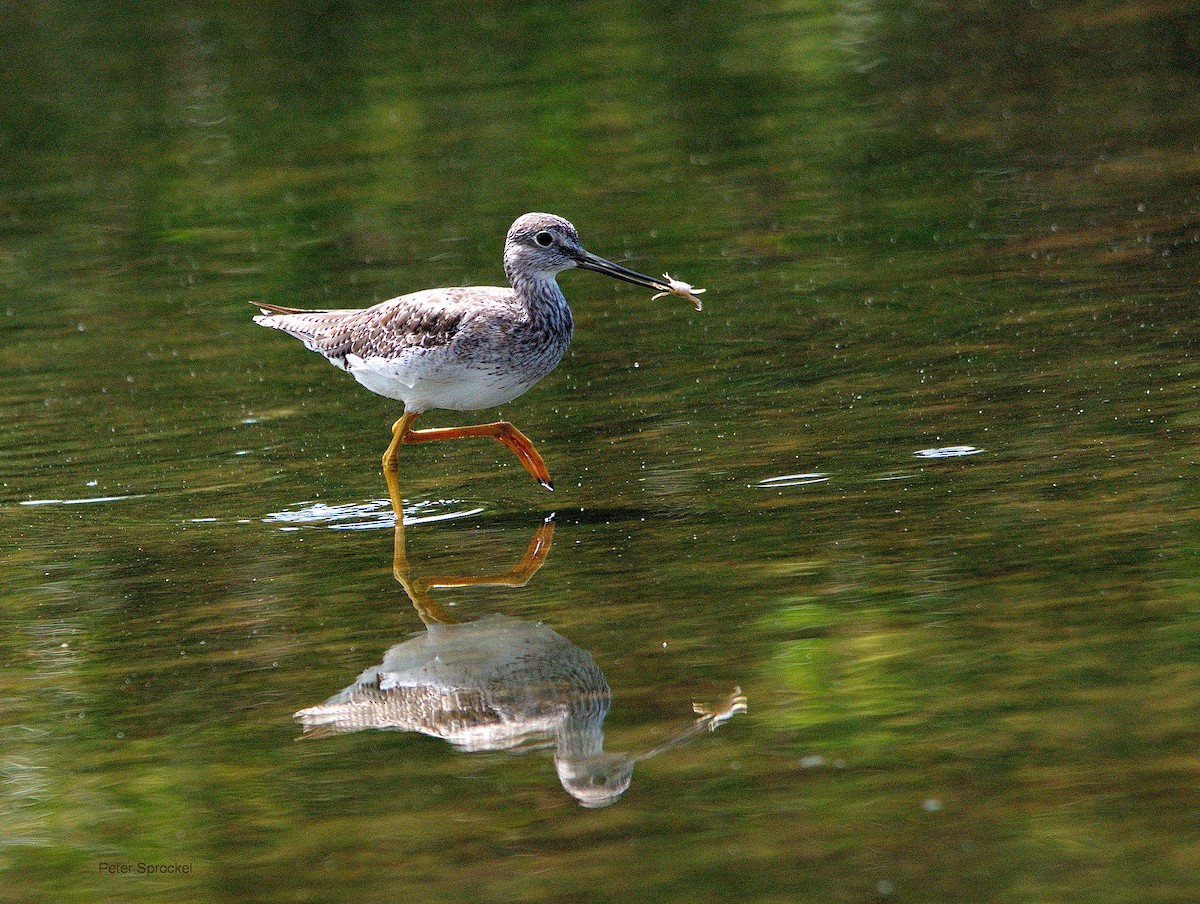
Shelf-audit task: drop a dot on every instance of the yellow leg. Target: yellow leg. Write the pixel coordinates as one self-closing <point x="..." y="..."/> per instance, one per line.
<point x="391" y="466"/>
<point x="399" y="429"/>
<point x="501" y="431"/>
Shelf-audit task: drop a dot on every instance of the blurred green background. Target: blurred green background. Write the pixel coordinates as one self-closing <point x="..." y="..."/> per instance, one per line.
<point x="924" y="226"/>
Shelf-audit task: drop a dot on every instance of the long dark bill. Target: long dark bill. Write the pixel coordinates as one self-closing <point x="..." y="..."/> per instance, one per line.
<point x="589" y="261"/>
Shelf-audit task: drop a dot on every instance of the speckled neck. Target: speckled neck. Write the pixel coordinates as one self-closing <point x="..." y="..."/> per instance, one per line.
<point x="544" y="301"/>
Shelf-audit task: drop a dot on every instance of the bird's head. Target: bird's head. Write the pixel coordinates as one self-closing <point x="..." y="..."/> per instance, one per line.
<point x="542" y="245"/>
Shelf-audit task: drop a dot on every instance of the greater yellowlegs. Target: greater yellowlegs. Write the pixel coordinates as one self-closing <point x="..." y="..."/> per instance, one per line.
<point x="464" y="348"/>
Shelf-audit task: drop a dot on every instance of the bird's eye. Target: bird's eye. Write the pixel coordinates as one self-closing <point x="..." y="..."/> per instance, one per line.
<point x="544" y="239"/>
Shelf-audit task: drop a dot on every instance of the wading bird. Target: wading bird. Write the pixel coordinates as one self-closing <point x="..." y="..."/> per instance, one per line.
<point x="464" y="348"/>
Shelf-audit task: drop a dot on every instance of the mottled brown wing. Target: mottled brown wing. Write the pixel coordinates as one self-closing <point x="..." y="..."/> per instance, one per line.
<point x="387" y="330"/>
<point x="425" y="320"/>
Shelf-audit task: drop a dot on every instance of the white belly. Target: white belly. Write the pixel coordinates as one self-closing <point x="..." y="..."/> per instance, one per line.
<point x="423" y="382"/>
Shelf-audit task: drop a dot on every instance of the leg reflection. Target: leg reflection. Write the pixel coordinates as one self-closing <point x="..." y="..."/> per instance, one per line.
<point x="417" y="589"/>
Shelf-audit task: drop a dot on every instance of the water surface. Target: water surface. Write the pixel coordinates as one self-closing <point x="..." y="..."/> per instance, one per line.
<point x="920" y="479"/>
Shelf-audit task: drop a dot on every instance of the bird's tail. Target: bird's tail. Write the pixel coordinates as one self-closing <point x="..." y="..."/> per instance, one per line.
<point x="269" y="309"/>
<point x="326" y="332"/>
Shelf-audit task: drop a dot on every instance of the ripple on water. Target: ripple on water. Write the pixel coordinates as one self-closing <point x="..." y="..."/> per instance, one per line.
<point x="947" y="452"/>
<point x="791" y="480"/>
<point x="86" y="501"/>
<point x="371" y="515"/>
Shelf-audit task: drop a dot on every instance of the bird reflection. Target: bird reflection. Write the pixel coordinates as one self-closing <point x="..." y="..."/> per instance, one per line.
<point x="497" y="683"/>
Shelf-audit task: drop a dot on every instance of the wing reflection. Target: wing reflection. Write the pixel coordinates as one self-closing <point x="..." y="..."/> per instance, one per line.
<point x="497" y="683"/>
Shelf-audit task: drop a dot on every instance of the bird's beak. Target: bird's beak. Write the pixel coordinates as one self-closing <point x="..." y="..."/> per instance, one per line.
<point x="589" y="261"/>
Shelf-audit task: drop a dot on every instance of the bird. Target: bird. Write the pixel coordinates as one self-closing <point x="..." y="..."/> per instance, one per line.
<point x="464" y="348"/>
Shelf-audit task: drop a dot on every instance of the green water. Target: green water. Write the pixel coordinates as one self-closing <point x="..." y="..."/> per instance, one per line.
<point x="922" y="226"/>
